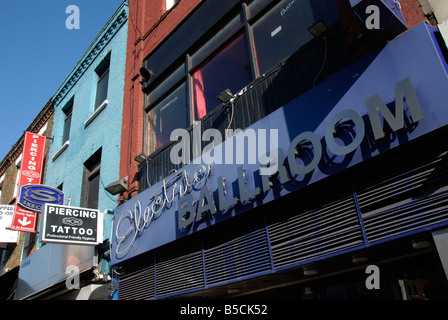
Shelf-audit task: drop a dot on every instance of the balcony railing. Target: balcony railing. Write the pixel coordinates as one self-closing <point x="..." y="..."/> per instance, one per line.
<point x="306" y="68"/>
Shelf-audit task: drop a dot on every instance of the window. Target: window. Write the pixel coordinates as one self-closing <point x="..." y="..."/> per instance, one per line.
<point x="169" y="114"/>
<point x="102" y="72"/>
<point x="91" y="181"/>
<point x="286" y="28"/>
<point x="67" y="114"/>
<point x="67" y="121"/>
<point x="16" y="186"/>
<point x="250" y="43"/>
<point x="2" y="178"/>
<point x="229" y="68"/>
<point x="169" y="109"/>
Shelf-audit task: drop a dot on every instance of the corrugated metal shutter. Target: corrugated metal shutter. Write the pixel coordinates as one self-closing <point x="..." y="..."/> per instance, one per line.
<point x="138" y="285"/>
<point x="179" y="272"/>
<point x="237" y="254"/>
<point x="320" y="221"/>
<point x="406" y="202"/>
<point x="173" y="272"/>
<point x="315" y="232"/>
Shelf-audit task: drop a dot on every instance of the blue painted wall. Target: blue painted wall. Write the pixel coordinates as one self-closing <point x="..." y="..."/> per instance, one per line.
<point x="47" y="266"/>
<point x="103" y="132"/>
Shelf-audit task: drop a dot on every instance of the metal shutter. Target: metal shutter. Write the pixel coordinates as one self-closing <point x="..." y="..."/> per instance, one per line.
<point x="315" y="232"/>
<point x="239" y="253"/>
<point x="406" y="202"/>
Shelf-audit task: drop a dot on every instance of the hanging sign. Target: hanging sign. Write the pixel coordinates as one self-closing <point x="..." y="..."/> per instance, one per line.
<point x="30" y="173"/>
<point x="34" y="196"/>
<point x="71" y="225"/>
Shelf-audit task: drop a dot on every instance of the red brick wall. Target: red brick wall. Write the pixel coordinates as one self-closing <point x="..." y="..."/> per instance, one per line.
<point x="413" y="12"/>
<point x="150" y="24"/>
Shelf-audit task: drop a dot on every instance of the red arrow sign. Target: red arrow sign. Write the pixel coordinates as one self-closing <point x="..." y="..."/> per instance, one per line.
<point x="25" y="221"/>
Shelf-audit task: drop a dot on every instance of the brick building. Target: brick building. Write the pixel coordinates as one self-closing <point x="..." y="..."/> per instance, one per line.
<point x="153" y="22"/>
<point x="150" y="23"/>
<point x="13" y="253"/>
<point x="195" y="228"/>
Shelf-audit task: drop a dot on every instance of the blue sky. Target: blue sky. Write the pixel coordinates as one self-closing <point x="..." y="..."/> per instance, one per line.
<point x="37" y="52"/>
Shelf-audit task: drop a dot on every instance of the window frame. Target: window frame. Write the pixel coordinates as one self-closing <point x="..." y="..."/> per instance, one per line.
<point x="227" y="46"/>
<point x="91" y="170"/>
<point x="156" y="104"/>
<point x="68" y="114"/>
<point x="2" y="178"/>
<point x="102" y="71"/>
<point x="67" y="111"/>
<point x="187" y="76"/>
<point x="250" y="12"/>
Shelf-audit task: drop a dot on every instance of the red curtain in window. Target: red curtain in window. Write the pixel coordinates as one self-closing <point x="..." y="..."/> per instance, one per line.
<point x="198" y="88"/>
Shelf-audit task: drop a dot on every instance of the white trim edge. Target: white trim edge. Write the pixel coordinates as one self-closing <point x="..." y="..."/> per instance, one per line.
<point x="96" y="113"/>
<point x="61" y="149"/>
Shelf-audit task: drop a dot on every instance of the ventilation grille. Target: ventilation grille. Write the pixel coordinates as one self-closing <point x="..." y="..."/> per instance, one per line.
<point x="138" y="285"/>
<point x="407" y="202"/>
<point x="236" y="257"/>
<point x="322" y="221"/>
<point x="315" y="232"/>
<point x="179" y="273"/>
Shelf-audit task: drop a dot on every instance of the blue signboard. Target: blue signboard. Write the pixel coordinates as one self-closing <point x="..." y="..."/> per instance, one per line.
<point x="384" y="100"/>
<point x="34" y="196"/>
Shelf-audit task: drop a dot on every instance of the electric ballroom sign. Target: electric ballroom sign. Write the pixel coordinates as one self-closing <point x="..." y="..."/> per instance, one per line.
<point x="30" y="173"/>
<point x="177" y="186"/>
<point x="133" y="222"/>
<point x="71" y="225"/>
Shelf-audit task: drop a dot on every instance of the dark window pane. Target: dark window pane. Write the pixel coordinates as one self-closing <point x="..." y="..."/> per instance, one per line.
<point x="93" y="187"/>
<point x="227" y="32"/>
<point x="169" y="114"/>
<point x="91" y="181"/>
<point x="257" y="6"/>
<point x="67" y="123"/>
<point x="284" y="29"/>
<point x="101" y="90"/>
<point x="166" y="85"/>
<point x="229" y="68"/>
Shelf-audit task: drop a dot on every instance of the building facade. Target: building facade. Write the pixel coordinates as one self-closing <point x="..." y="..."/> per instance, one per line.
<point x="21" y="244"/>
<point x="83" y="161"/>
<point x="283" y="150"/>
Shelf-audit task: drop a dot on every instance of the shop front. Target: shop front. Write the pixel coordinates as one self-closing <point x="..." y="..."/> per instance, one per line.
<point x="350" y="174"/>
